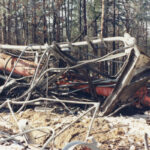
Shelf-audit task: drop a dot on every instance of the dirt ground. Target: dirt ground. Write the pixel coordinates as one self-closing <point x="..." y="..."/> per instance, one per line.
<point x="110" y="133"/>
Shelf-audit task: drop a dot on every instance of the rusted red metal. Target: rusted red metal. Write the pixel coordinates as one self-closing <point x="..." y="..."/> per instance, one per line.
<point x="141" y="94"/>
<point x="23" y="67"/>
<point x="146" y="101"/>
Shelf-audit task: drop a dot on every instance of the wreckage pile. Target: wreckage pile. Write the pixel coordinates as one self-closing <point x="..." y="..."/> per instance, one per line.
<point x="73" y="74"/>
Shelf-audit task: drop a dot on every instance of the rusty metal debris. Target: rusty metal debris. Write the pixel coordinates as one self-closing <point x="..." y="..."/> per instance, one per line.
<point x="55" y="71"/>
<point x="66" y="73"/>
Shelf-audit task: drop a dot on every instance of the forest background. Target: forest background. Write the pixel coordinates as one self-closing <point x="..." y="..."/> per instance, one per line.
<point x="25" y="22"/>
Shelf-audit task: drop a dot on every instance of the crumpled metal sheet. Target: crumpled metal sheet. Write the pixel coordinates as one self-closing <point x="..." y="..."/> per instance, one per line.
<point x="134" y="76"/>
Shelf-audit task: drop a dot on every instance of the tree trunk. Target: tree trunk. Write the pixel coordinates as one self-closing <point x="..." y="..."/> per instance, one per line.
<point x="84" y="17"/>
<point x="68" y="20"/>
<point x="54" y="21"/>
<point x="80" y="27"/>
<point x="16" y="24"/>
<point x="34" y="25"/>
<point x="57" y="21"/>
<point x="26" y="26"/>
<point x="114" y="34"/>
<point x="49" y="25"/>
<point x="4" y="32"/>
<point x="9" y="23"/>
<point x="102" y="18"/>
<point x="44" y="24"/>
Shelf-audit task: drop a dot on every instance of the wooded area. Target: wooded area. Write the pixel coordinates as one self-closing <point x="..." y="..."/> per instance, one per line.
<point x="40" y="21"/>
<point x="69" y="70"/>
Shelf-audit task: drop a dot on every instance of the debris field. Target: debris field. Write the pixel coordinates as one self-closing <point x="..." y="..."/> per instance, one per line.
<point x="68" y="93"/>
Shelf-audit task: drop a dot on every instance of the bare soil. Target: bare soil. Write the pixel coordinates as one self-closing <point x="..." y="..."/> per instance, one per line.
<point x="111" y="133"/>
